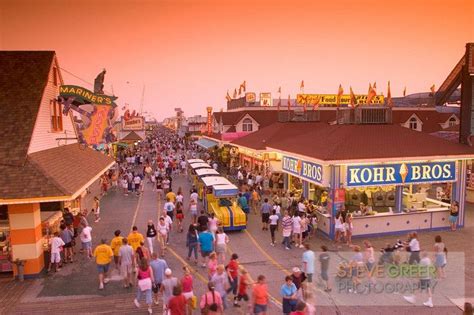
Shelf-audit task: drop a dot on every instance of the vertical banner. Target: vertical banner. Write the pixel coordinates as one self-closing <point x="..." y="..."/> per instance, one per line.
<point x="209" y="120"/>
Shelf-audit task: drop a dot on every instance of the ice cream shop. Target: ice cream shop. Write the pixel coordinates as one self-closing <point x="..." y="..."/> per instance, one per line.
<point x="390" y="179"/>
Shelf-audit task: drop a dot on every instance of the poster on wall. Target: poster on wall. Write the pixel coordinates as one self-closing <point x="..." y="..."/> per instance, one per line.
<point x="97" y="111"/>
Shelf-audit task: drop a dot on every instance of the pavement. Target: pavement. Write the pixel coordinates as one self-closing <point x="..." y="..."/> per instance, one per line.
<point x="74" y="289"/>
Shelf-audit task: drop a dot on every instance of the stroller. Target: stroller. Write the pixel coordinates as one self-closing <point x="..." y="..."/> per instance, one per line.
<point x="390" y="253"/>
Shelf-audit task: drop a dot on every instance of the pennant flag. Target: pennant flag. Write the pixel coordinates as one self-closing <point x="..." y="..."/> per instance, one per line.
<point x="371" y="94"/>
<point x="405" y="91"/>
<point x="340" y="91"/>
<point x="316" y="102"/>
<point x="227" y="97"/>
<point x="243" y="86"/>
<point x="432" y="89"/>
<point x="289" y="102"/>
<point x="279" y="89"/>
<point x="352" y="101"/>
<point x="375" y="85"/>
<point x="240" y="90"/>
<point x="235" y="93"/>
<point x="389" y="96"/>
<point x="302" y="84"/>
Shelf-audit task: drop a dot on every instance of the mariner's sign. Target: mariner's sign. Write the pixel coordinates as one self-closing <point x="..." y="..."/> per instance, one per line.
<point x="304" y="169"/>
<point x="402" y="173"/>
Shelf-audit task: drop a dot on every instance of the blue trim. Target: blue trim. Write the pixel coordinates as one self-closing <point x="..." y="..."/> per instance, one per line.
<point x="398" y="199"/>
<point x="234" y="228"/>
<point x="402" y="232"/>
<point x="305" y="189"/>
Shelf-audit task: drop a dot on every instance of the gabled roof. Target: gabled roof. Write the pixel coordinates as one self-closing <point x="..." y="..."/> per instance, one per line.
<point x="355" y="143"/>
<point x="23" y="78"/>
<point x="57" y="172"/>
<point x="431" y="119"/>
<point x="132" y="136"/>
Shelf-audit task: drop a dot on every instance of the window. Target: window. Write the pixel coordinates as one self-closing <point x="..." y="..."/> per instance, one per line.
<point x="56" y="116"/>
<point x="452" y="121"/>
<point x="413" y="123"/>
<point x="55" y="76"/>
<point x="247" y="124"/>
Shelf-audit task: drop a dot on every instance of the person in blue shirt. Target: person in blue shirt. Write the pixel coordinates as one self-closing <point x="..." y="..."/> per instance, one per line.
<point x="206" y="242"/>
<point x="158" y="266"/>
<point x="288" y="293"/>
<point x="243" y="204"/>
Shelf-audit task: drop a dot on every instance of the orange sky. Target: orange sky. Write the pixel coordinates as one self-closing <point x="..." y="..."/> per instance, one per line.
<point x="189" y="53"/>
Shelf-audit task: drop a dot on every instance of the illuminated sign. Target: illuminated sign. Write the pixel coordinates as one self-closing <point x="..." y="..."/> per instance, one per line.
<point x="331" y="99"/>
<point x="250" y="97"/>
<point x="304" y="169"/>
<point x="209" y="120"/>
<point x="134" y="123"/>
<point x="402" y="173"/>
<point x="266" y="99"/>
<point x="85" y="96"/>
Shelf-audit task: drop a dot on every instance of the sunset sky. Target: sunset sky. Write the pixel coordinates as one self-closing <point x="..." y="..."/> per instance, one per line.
<point x="189" y="53"/>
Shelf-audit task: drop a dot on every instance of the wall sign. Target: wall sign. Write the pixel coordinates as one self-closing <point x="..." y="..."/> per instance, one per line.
<point x="401" y="173"/>
<point x="135" y="123"/>
<point x="331" y="99"/>
<point x="308" y="170"/>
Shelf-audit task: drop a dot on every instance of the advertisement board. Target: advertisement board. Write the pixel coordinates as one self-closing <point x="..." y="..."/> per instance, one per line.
<point x="266" y="99"/>
<point x="331" y="99"/>
<point x="134" y="123"/>
<point x="308" y="170"/>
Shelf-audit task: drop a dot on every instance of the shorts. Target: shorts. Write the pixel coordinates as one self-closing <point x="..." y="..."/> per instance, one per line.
<point x="188" y="295"/>
<point x="259" y="308"/>
<point x="296" y="231"/>
<point x="305" y="234"/>
<point x="86" y="245"/>
<point x="103" y="268"/>
<point x="243" y="296"/>
<point x="265" y="217"/>
<point x="194" y="213"/>
<point x="205" y="253"/>
<point x="126" y="269"/>
<point x="220" y="248"/>
<point x="453" y="219"/>
<point x="324" y="275"/>
<point x="425" y="284"/>
<point x="179" y="216"/>
<point x="68" y="245"/>
<point x="55" y="258"/>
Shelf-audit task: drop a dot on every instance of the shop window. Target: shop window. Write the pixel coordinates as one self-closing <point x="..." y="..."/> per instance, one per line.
<point x="247" y="125"/>
<point x="50" y="206"/>
<point x="452" y="121"/>
<point x="56" y="116"/>
<point x="413" y="123"/>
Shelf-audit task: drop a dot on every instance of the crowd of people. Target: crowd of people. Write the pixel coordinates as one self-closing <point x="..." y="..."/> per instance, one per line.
<point x="140" y="256"/>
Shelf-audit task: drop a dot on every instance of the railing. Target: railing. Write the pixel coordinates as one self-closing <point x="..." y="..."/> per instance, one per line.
<point x="309" y="115"/>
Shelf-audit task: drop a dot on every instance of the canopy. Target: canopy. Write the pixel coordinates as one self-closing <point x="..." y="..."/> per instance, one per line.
<point x="191" y="161"/>
<point x="227" y="190"/>
<point x="215" y="180"/>
<point x="206" y="171"/>
<point x="206" y="143"/>
<point x="199" y="165"/>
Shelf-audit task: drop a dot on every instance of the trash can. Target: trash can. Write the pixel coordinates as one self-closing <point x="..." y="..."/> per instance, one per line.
<point x="20" y="267"/>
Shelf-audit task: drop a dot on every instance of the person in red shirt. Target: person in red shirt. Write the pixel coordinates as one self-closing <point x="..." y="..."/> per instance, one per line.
<point x="177" y="304"/>
<point x="300" y="309"/>
<point x="233" y="273"/>
<point x="260" y="296"/>
<point x="244" y="283"/>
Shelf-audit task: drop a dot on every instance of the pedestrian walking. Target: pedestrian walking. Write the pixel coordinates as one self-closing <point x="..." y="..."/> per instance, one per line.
<point x="193" y="210"/>
<point x="233" y="277"/>
<point x="211" y="302"/>
<point x="67" y="235"/>
<point x="179" y="216"/>
<point x="414" y="249"/>
<point x="221" y="241"/>
<point x="151" y="235"/>
<point x="169" y="207"/>
<point x="324" y="259"/>
<point x="126" y="262"/>
<point x="167" y="288"/>
<point x="103" y="256"/>
<point x="86" y="239"/>
<point x="115" y="244"/>
<point x="135" y="238"/>
<point x="265" y="213"/>
<point x="244" y="284"/>
<point x="425" y="282"/>
<point x="144" y="286"/>
<point x="453" y="215"/>
<point x="221" y="281"/>
<point x="206" y="241"/>
<point x="212" y="265"/>
<point x="158" y="265"/>
<point x="288" y="293"/>
<point x="163" y="230"/>
<point x="96" y="209"/>
<point x="440" y="257"/>
<point x="177" y="305"/>
<point x="287" y="227"/>
<point x="187" y="285"/>
<point x="192" y="242"/>
<point x="260" y="296"/>
<point x="273" y="220"/>
<point x="308" y="262"/>
<point x="55" y="244"/>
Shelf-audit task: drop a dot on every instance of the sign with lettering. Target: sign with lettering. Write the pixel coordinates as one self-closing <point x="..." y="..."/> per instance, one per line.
<point x="331" y="99"/>
<point x="84" y="96"/>
<point x="308" y="170"/>
<point x="250" y="97"/>
<point x="266" y="99"/>
<point x="401" y="173"/>
<point x="134" y="123"/>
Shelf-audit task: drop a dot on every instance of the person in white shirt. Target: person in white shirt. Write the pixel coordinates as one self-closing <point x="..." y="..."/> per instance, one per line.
<point x="297" y="231"/>
<point x="425" y="280"/>
<point x="169" y="224"/>
<point x="194" y="196"/>
<point x="414" y="246"/>
<point x="221" y="239"/>
<point x="137" y="181"/>
<point x="56" y="243"/>
<point x="273" y="220"/>
<point x="86" y="239"/>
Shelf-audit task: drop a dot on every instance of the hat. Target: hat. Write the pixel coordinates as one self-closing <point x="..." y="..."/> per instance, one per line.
<point x="296" y="269"/>
<point x="168" y="272"/>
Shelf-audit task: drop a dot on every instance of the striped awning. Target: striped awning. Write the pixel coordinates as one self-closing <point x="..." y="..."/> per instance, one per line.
<point x="206" y="143"/>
